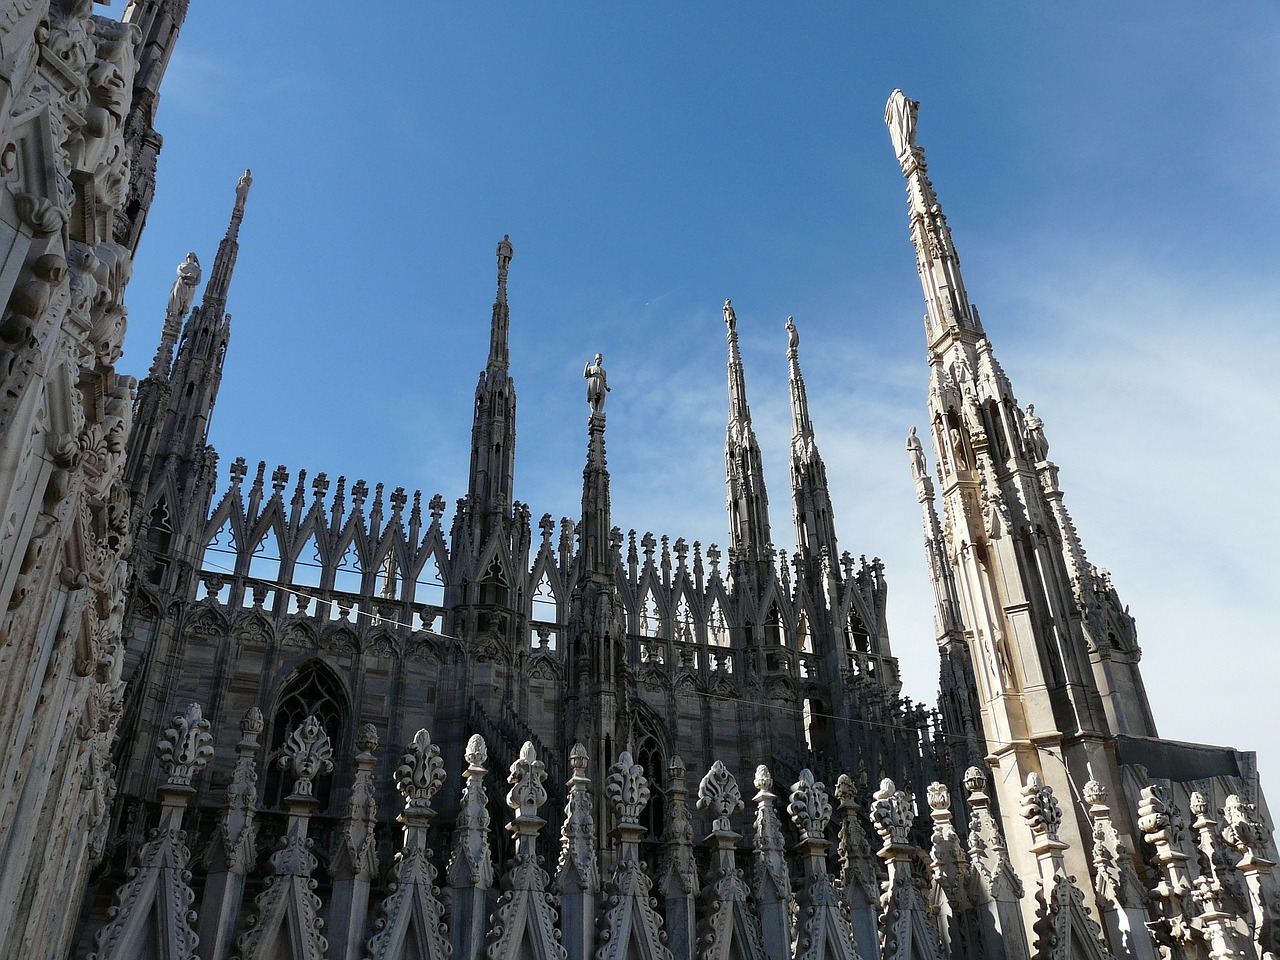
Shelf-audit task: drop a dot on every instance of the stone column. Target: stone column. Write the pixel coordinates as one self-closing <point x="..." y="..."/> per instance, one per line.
<point x="355" y="864"/>
<point x="234" y="850"/>
<point x="994" y="885"/>
<point x="578" y="874"/>
<point x="772" y="887"/>
<point x="859" y="884"/>
<point x="470" y="870"/>
<point x="823" y="932"/>
<point x="1121" y="899"/>
<point x="677" y="871"/>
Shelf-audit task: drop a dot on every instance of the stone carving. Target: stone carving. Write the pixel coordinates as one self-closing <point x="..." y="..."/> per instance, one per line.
<point x="1037" y="445"/>
<point x="772" y="886"/>
<point x="900" y="117"/>
<point x="919" y="468"/>
<point x="184" y="288"/>
<point x="907" y="931"/>
<point x="719" y="795"/>
<point x="421" y="772"/>
<point x="152" y="915"/>
<point x="822" y="929"/>
<point x="1241" y="829"/>
<point x="597" y="384"/>
<point x="470" y="869"/>
<point x="859" y="884"/>
<point x="307" y="754"/>
<point x="186" y="748"/>
<point x="677" y="871"/>
<point x="355" y="862"/>
<point x="995" y="887"/>
<point x="1121" y="900"/>
<point x="288" y="902"/>
<point x="524" y="924"/>
<point x="728" y="927"/>
<point x="1063" y="926"/>
<point x="411" y="917"/>
<point x="577" y="873"/>
<point x="1162" y="826"/>
<point x="631" y="926"/>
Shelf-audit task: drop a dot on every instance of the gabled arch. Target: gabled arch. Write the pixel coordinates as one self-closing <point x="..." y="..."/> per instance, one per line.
<point x="349" y="570"/>
<point x="266" y="557"/>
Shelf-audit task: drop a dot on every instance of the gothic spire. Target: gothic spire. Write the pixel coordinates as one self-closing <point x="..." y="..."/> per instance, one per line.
<point x="811" y="498"/>
<point x="936" y="257"/>
<point x="215" y="292"/>
<point x="748" y="501"/>
<point x="499" y="355"/>
<point x="493" y="431"/>
<point x="158" y="23"/>
<point x="596" y="519"/>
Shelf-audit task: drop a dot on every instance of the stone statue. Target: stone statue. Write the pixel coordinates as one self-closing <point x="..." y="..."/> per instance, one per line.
<point x="900" y="118"/>
<point x="1037" y="444"/>
<point x="184" y="288"/>
<point x="919" y="468"/>
<point x="597" y="384"/>
<point x="793" y="336"/>
<point x="730" y="318"/>
<point x="242" y="188"/>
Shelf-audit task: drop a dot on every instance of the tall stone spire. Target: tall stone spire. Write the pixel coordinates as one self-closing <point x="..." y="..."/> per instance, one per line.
<point x="1052" y="682"/>
<point x="936" y="257"/>
<point x="599" y="686"/>
<point x="224" y="264"/>
<point x="744" y="469"/>
<point x="499" y="353"/>
<point x="493" y="431"/>
<point x="171" y="425"/>
<point x="810" y="495"/>
<point x="958" y="696"/>
<point x="158" y="23"/>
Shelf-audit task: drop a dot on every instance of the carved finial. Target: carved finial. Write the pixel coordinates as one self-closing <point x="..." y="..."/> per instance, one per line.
<point x="420" y="774"/>
<point x="307" y="754"/>
<point x="809" y="808"/>
<point x="367" y="738"/>
<point x="1240" y="827"/>
<point x="252" y="725"/>
<point x="1041" y="809"/>
<point x="939" y="799"/>
<point x="627" y="788"/>
<point x="975" y="781"/>
<point x="477" y="753"/>
<point x="718" y="794"/>
<point x="1094" y="793"/>
<point x="185" y="747"/>
<point x="527" y="793"/>
<point x="891" y="814"/>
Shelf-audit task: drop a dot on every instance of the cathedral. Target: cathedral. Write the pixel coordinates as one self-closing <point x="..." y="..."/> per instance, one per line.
<point x="254" y="713"/>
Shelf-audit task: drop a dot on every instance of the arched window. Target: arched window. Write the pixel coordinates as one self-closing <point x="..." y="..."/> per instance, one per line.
<point x="651" y="755"/>
<point x="493" y="588"/>
<point x="650" y="617"/>
<point x="313" y="691"/>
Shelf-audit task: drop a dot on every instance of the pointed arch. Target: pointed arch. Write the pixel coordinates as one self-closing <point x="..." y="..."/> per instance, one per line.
<point x="265" y="560"/>
<point x="651" y="752"/>
<point x="649" y="614"/>
<point x="348" y="572"/>
<point x="312" y="690"/>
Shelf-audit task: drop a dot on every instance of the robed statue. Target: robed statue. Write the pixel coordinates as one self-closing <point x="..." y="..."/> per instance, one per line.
<point x="184" y="288"/>
<point x="597" y="384"/>
<point x="919" y="467"/>
<point x="900" y="118"/>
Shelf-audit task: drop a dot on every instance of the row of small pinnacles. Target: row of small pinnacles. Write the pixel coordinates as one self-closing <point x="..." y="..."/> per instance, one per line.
<point x="367" y="565"/>
<point x="958" y="900"/>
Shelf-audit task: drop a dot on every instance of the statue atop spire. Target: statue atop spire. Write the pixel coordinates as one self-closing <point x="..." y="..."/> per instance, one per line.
<point x="597" y="384"/>
<point x="505" y="250"/>
<point x="900" y="117"/>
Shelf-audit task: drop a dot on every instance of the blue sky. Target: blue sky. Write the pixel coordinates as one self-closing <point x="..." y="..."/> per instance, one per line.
<point x="1108" y="172"/>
